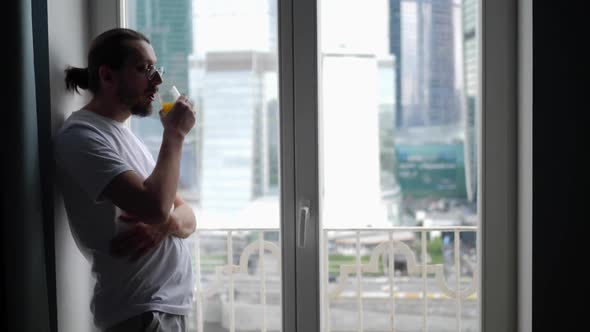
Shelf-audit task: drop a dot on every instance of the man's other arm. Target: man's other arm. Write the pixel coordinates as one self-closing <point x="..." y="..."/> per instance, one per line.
<point x="183" y="219"/>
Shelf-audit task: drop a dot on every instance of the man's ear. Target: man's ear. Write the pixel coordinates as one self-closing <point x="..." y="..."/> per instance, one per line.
<point x="105" y="75"/>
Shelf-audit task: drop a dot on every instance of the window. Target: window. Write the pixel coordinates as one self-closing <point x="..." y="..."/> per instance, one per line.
<point x="424" y="96"/>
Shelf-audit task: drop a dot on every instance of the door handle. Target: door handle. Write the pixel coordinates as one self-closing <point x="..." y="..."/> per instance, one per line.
<point x="302" y="218"/>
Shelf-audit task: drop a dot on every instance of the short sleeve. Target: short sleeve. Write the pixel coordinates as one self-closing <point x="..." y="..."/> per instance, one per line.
<point x="85" y="156"/>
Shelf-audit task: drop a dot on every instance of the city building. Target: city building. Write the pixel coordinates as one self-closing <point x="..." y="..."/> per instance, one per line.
<point x="168" y="25"/>
<point x="421" y="34"/>
<point x="234" y="75"/>
<point x="429" y="135"/>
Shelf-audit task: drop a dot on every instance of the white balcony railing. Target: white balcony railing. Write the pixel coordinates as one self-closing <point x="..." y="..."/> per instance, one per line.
<point x="252" y="264"/>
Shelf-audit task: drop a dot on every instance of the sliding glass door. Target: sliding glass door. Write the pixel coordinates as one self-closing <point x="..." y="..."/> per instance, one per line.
<point x="398" y="123"/>
<point x="404" y="131"/>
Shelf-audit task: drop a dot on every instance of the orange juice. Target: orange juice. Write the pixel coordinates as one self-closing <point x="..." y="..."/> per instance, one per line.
<point x="166" y="107"/>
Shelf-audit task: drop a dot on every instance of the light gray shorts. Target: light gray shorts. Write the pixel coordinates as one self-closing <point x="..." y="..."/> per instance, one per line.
<point x="151" y="321"/>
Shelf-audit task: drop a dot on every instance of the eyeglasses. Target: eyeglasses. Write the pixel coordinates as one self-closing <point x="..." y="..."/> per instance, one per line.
<point x="151" y="71"/>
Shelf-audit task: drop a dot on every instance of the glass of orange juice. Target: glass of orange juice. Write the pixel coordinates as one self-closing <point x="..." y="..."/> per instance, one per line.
<point x="168" y="96"/>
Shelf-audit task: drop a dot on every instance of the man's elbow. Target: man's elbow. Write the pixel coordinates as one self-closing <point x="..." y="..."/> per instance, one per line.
<point x="192" y="230"/>
<point x="161" y="217"/>
<point x="156" y="213"/>
<point x="188" y="229"/>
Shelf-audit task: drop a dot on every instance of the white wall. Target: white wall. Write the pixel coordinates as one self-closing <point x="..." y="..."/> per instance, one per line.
<point x="104" y="15"/>
<point x="68" y="43"/>
<point x="71" y="26"/>
<point x="525" y="165"/>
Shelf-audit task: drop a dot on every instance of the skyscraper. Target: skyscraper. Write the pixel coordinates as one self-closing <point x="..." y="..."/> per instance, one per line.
<point x="429" y="137"/>
<point x="168" y="25"/>
<point x="421" y="38"/>
<point x="235" y="131"/>
<point x="234" y="72"/>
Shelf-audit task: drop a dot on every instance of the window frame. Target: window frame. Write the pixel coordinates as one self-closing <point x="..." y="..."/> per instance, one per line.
<point x="498" y="159"/>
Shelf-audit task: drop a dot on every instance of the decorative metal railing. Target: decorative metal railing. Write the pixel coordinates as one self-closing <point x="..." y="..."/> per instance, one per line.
<point x="382" y="256"/>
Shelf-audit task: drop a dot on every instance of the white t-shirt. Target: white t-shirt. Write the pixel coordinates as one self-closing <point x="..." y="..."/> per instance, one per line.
<point x="90" y="151"/>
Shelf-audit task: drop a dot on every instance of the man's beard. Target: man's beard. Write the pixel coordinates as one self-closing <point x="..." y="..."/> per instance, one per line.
<point x="135" y="107"/>
<point x="141" y="110"/>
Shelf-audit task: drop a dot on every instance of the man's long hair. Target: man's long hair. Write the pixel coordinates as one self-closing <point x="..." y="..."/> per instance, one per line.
<point x="109" y="48"/>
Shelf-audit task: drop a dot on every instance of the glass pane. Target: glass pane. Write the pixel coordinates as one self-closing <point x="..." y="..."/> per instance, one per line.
<point x="398" y="164"/>
<point x="223" y="55"/>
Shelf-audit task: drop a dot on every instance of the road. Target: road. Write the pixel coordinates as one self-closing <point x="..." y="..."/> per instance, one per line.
<point x="409" y="308"/>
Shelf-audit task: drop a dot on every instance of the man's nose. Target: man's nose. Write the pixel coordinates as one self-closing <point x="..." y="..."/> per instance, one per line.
<point x="157" y="79"/>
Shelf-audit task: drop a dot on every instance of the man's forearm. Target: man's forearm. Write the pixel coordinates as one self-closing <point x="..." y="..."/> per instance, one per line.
<point x="185" y="221"/>
<point x="163" y="181"/>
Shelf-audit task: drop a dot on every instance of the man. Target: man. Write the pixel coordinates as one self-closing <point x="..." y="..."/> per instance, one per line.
<point x="123" y="208"/>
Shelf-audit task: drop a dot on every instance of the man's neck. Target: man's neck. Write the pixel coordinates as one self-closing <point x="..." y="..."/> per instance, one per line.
<point x="109" y="109"/>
